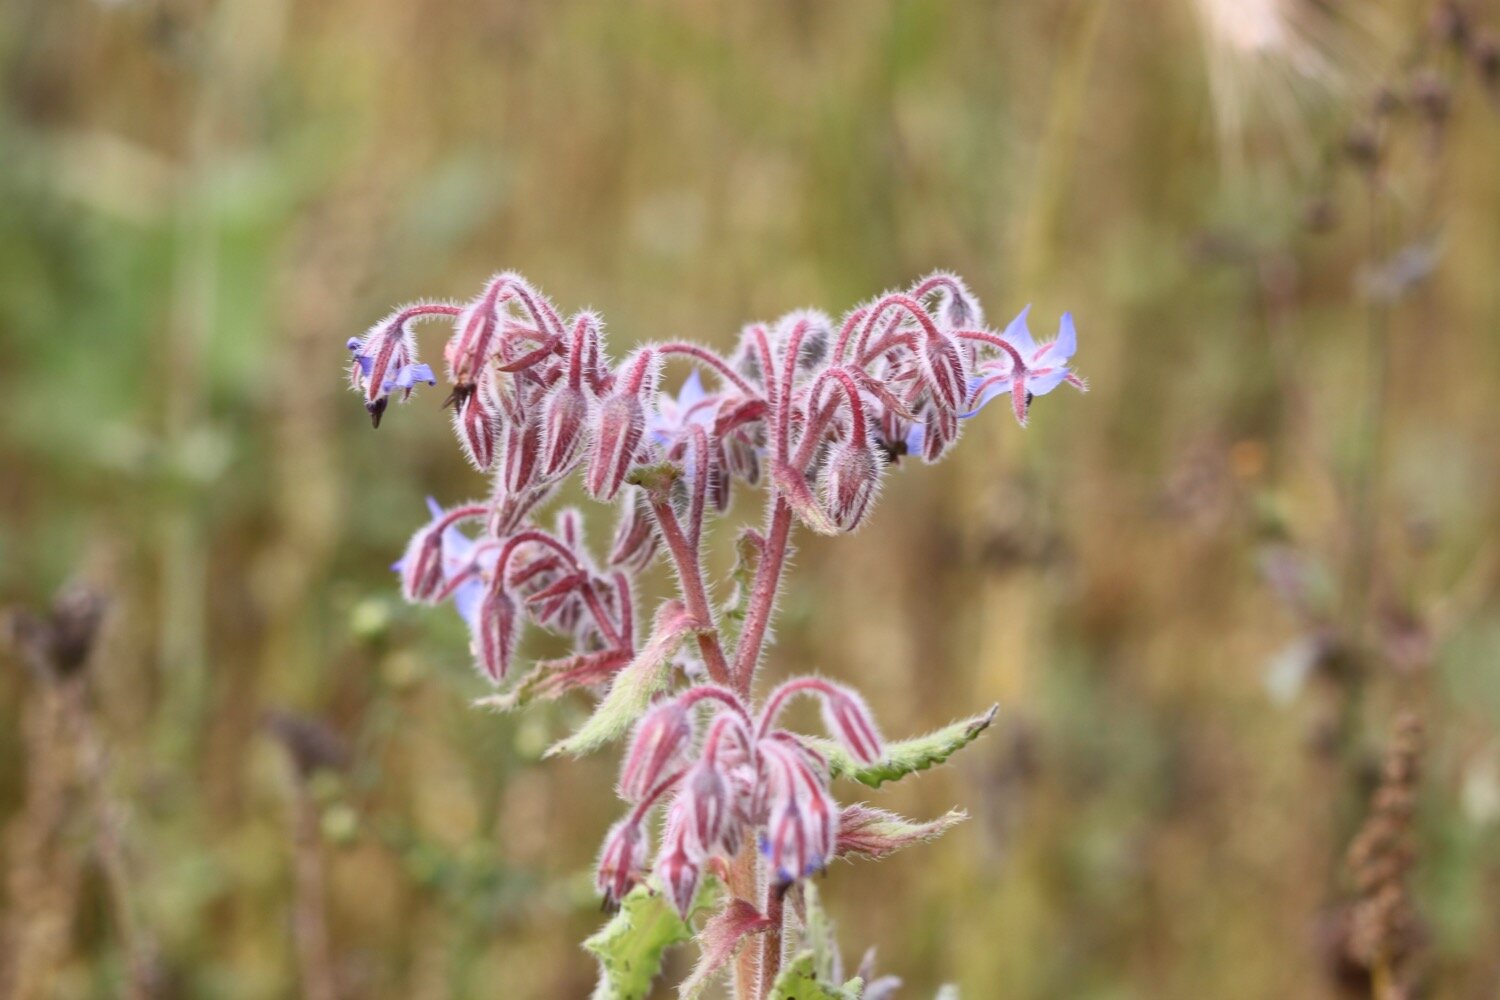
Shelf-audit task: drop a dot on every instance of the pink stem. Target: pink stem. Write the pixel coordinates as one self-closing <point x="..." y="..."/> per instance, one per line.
<point x="713" y="361"/>
<point x="694" y="594"/>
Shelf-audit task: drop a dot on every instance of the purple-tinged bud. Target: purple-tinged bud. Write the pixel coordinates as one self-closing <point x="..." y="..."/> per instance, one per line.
<point x="495" y="632"/>
<point x="619" y="425"/>
<point x="474" y="337"/>
<point x="678" y="871"/>
<point x="660" y="745"/>
<point x="422" y="575"/>
<point x="802" y="820"/>
<point x="635" y="542"/>
<point x="742" y="457"/>
<point x="564" y="416"/>
<point x="523" y="449"/>
<point x="933" y="435"/>
<point x="945" y="372"/>
<point x="849" y="720"/>
<point x="850" y="481"/>
<point x="477" y="421"/>
<point x="621" y="861"/>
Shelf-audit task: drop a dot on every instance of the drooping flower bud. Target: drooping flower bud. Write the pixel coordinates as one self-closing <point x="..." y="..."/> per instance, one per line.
<point x="850" y="481"/>
<point x="496" y="629"/>
<point x="635" y="542"/>
<point x="678" y="871"/>
<point x="702" y="811"/>
<point x="564" y="416"/>
<point x="802" y="820"/>
<point x="477" y="421"/>
<point x="618" y="427"/>
<point x="621" y="861"/>
<point x="660" y="745"/>
<point x="945" y="371"/>
<point x="849" y="720"/>
<point x="422" y="570"/>
<point x="933" y="435"/>
<point x="523" y="447"/>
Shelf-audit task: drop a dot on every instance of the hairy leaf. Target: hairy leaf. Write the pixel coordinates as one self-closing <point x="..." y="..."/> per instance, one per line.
<point x="551" y="679"/>
<point x="634" y="686"/>
<point x="867" y="832"/>
<point x="630" y="947"/>
<point x="906" y="756"/>
<point x="799" y="981"/>
<point x="720" y="939"/>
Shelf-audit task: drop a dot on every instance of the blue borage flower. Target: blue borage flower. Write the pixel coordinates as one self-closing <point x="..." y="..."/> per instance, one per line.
<point x="1040" y="370"/>
<point x="466" y="564"/>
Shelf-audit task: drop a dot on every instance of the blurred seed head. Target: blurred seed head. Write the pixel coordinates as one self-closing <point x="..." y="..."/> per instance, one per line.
<point x="57" y="645"/>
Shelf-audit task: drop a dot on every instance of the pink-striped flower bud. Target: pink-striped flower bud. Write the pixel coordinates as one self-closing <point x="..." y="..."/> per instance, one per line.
<point x="422" y="570"/>
<point x="702" y="811"/>
<point x="618" y="427"/>
<point x="622" y="861"/>
<point x="474" y="337"/>
<point x="477" y="421"/>
<point x="635" y="541"/>
<point x="933" y="434"/>
<point x="802" y="819"/>
<point x="945" y="372"/>
<point x="564" y="416"/>
<point x="495" y="631"/>
<point x="661" y="743"/>
<point x="523" y="449"/>
<point x="850" y="481"/>
<point x="850" y="721"/>
<point x="678" y="871"/>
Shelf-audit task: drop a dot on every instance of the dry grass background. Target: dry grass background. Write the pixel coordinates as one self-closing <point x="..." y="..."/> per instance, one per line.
<point x="202" y="201"/>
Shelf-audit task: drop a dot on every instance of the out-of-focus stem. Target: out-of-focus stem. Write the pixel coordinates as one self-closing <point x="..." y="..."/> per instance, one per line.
<point x="310" y="919"/>
<point x="109" y="841"/>
<point x="694" y="593"/>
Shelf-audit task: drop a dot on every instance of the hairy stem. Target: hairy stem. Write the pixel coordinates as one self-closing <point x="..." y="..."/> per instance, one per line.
<point x="770" y="944"/>
<point x="763" y="595"/>
<point x="694" y="593"/>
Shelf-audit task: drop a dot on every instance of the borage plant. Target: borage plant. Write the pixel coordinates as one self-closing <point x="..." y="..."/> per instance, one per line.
<point x="818" y="411"/>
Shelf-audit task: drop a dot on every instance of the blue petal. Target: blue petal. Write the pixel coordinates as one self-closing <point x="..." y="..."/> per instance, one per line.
<point x="1019" y="335"/>
<point x="467" y="598"/>
<point x="692" y="391"/>
<point x="435" y="507"/>
<point x="995" y="391"/>
<point x="366" y="363"/>
<point x="1067" y="340"/>
<point x="1040" y="385"/>
<point x="914" y="439"/>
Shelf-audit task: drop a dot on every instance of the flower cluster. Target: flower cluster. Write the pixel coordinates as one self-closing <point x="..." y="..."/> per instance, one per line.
<point x="744" y="775"/>
<point x="816" y="410"/>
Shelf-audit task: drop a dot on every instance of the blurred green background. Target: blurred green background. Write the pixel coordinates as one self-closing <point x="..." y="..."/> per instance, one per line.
<point x="1294" y="362"/>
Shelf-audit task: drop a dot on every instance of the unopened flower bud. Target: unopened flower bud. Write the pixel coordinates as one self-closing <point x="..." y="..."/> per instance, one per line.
<point x="661" y="742"/>
<point x="621" y="861"/>
<point x="850" y="480"/>
<point x="945" y="372"/>
<point x="477" y="421"/>
<point x="422" y="573"/>
<point x="635" y="541"/>
<point x="849" y="719"/>
<point x="495" y="632"/>
<point x="802" y="820"/>
<point x="678" y="872"/>
<point x="564" y="415"/>
<point x="619" y="424"/>
<point x="523" y="447"/>
<point x="702" y="811"/>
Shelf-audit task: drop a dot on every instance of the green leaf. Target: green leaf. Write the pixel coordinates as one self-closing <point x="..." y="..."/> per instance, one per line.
<point x="799" y="981"/>
<point x="901" y="759"/>
<point x="634" y="686"/>
<point x="630" y="947"/>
